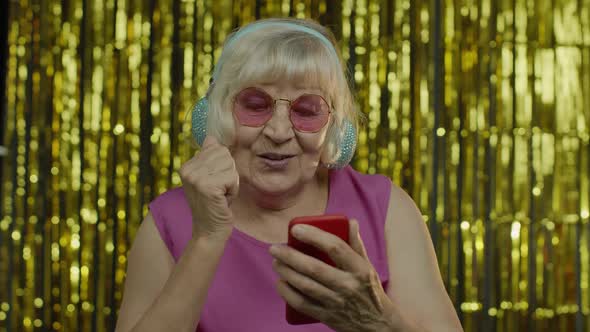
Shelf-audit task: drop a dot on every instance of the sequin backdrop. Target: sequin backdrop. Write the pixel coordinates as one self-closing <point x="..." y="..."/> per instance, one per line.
<point x="480" y="109"/>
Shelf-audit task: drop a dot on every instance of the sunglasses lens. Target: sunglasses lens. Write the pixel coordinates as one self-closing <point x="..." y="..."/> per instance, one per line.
<point x="253" y="107"/>
<point x="309" y="113"/>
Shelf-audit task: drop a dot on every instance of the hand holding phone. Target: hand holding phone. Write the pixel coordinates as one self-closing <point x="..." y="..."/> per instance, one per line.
<point x="334" y="224"/>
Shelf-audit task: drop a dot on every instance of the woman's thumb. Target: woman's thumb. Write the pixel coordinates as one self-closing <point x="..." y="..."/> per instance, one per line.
<point x="209" y="141"/>
<point x="354" y="236"/>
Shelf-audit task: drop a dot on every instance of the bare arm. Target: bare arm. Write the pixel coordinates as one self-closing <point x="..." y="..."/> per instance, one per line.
<point x="415" y="282"/>
<point x="163" y="296"/>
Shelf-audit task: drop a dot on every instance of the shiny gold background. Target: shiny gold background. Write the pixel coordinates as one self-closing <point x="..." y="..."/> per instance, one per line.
<point x="479" y="108"/>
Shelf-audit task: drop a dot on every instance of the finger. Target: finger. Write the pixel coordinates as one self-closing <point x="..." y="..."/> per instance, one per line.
<point x="219" y="160"/>
<point x="209" y="141"/>
<point x="339" y="251"/>
<point x="225" y="182"/>
<point x="207" y="155"/>
<point x="298" y="301"/>
<point x="312" y="267"/>
<point x="307" y="286"/>
<point x="207" y="167"/>
<point x="212" y="161"/>
<point x="356" y="242"/>
<point x="226" y="167"/>
<point x="233" y="186"/>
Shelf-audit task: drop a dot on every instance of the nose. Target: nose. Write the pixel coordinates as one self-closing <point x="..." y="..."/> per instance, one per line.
<point x="279" y="128"/>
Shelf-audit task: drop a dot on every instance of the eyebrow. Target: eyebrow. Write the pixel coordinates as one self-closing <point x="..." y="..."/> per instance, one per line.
<point x="307" y="90"/>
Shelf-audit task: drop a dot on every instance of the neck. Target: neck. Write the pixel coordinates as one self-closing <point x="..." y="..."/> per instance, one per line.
<point x="253" y="204"/>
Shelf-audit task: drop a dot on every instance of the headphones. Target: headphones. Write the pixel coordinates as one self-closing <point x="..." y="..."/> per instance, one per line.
<point x="346" y="137"/>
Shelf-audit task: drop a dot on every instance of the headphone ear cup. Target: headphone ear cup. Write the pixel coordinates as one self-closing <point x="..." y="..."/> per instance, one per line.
<point x="199" y="120"/>
<point x="346" y="146"/>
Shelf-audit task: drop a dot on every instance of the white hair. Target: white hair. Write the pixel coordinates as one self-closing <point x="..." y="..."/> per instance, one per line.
<point x="273" y="50"/>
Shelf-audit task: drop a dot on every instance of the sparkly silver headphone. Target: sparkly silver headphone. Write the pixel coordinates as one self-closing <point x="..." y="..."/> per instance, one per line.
<point x="346" y="137"/>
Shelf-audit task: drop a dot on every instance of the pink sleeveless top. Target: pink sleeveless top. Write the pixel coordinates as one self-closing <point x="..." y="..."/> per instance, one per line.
<point x="242" y="296"/>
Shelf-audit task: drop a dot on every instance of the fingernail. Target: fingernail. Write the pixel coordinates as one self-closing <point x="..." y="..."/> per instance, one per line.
<point x="274" y="249"/>
<point x="298" y="230"/>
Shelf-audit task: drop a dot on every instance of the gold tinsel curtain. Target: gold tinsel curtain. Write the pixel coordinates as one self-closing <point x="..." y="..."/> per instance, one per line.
<point x="480" y="109"/>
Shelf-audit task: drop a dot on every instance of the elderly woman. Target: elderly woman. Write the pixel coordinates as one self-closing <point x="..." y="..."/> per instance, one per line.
<point x="277" y="129"/>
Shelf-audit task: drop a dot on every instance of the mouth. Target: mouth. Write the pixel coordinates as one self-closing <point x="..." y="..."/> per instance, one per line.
<point x="275" y="156"/>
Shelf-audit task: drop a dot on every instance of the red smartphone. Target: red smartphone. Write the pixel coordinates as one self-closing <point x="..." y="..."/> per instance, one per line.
<point x="335" y="224"/>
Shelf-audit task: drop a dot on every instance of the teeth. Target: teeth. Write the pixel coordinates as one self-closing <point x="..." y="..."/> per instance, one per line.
<point x="274" y="156"/>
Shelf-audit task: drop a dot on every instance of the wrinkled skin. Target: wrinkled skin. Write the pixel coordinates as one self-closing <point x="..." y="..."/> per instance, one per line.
<point x="348" y="297"/>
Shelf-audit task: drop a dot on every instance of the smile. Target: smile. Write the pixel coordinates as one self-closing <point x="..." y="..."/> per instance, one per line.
<point x="275" y="161"/>
<point x="275" y="156"/>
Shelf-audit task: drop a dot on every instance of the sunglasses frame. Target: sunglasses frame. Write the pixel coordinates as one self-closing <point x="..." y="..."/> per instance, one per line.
<point x="274" y="107"/>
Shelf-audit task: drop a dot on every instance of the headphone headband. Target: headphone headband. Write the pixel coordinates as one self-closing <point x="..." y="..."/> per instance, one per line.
<point x="260" y="25"/>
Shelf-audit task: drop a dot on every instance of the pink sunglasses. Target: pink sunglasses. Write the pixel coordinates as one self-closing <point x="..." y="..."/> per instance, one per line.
<point x="308" y="113"/>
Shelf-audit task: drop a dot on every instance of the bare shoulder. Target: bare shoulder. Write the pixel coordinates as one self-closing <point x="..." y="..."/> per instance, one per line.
<point x="148" y="244"/>
<point x="149" y="264"/>
<point x="415" y="282"/>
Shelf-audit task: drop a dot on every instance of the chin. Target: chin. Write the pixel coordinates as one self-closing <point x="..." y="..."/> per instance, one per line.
<point x="276" y="183"/>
